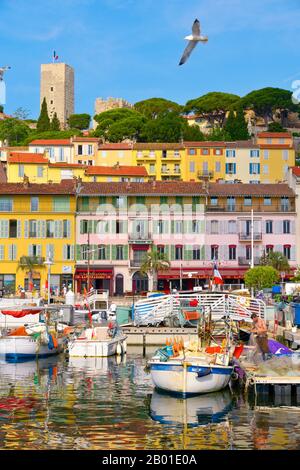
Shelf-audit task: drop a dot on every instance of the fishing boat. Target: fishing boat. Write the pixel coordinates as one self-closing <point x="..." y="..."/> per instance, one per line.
<point x="98" y="341"/>
<point x="32" y="340"/>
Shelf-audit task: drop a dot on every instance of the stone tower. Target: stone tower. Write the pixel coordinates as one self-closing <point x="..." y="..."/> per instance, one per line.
<point x="57" y="86"/>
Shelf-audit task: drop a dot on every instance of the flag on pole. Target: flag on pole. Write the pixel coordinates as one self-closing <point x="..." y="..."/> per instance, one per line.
<point x="55" y="56"/>
<point x="217" y="276"/>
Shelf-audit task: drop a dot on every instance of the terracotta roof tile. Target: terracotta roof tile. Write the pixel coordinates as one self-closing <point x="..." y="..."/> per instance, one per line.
<point x="49" y="142"/>
<point x="85" y="139"/>
<point x="22" y="157"/>
<point x="65" y="187"/>
<point x="275" y="135"/>
<point x="116" y="146"/>
<point x="204" y="143"/>
<point x="158" y="146"/>
<point x="240" y="189"/>
<point x="153" y="187"/>
<point x="66" y="165"/>
<point x="114" y="170"/>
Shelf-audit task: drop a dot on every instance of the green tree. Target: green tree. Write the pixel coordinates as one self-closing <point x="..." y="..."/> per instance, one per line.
<point x="217" y="134"/>
<point x="79" y="121"/>
<point x="192" y="133"/>
<point x="276" y="259"/>
<point x="213" y="106"/>
<point x="154" y="262"/>
<point x="108" y="118"/>
<point x="14" y="131"/>
<point x="275" y="127"/>
<point x="169" y="128"/>
<point x="27" y="263"/>
<point x="269" y="101"/>
<point x="157" y="107"/>
<point x="128" y="128"/>
<point x="55" y="124"/>
<point x="236" y="125"/>
<point x="21" y="113"/>
<point x="1" y="108"/>
<point x="261" y="277"/>
<point x="43" y="123"/>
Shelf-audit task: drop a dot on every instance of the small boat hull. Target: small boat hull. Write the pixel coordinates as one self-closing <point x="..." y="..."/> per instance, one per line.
<point x="21" y="348"/>
<point x="189" y="378"/>
<point x="97" y="348"/>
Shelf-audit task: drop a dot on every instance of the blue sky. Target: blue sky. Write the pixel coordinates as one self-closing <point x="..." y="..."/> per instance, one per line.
<point x="131" y="48"/>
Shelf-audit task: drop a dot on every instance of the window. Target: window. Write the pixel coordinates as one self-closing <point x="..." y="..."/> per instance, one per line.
<point x="101" y="252"/>
<point x="254" y="168"/>
<point x="269" y="249"/>
<point x="66" y="228"/>
<point x="266" y="154"/>
<point x="266" y="169"/>
<point x="285" y="155"/>
<point x="6" y="204"/>
<point x="84" y="252"/>
<point x="178" y="252"/>
<point x="218" y="152"/>
<point x="61" y="154"/>
<point x="176" y="168"/>
<point x="68" y="255"/>
<point x="178" y="226"/>
<point x="254" y="153"/>
<point x="164" y="154"/>
<point x="120" y="252"/>
<point x="120" y="226"/>
<point x="40" y="171"/>
<point x="179" y="200"/>
<point x="120" y="202"/>
<point x="13" y="229"/>
<point x="61" y="204"/>
<point x="218" y="167"/>
<point x="247" y="201"/>
<point x="286" y="226"/>
<point x="285" y="204"/>
<point x="34" y="250"/>
<point x="192" y="167"/>
<point x="214" y="226"/>
<point x="214" y="252"/>
<point x="51" y="88"/>
<point x="49" y="228"/>
<point x="160" y="226"/>
<point x="84" y="226"/>
<point x="192" y="151"/>
<point x="230" y="168"/>
<point x="205" y="152"/>
<point x="21" y="171"/>
<point x="269" y="140"/>
<point x="164" y="168"/>
<point x="213" y="201"/>
<point x="161" y="249"/>
<point x="230" y="153"/>
<point x="32" y="228"/>
<point x="269" y="226"/>
<point x="151" y="153"/>
<point x="90" y="150"/>
<point x="163" y="200"/>
<point x="90" y="162"/>
<point x="195" y="226"/>
<point x="248" y="252"/>
<point x="85" y="202"/>
<point x="281" y="140"/>
<point x="79" y="150"/>
<point x="196" y="252"/>
<point x="267" y="201"/>
<point x="232" y="252"/>
<point x="231" y="226"/>
<point x="230" y="203"/>
<point x="176" y="153"/>
<point x="287" y="251"/>
<point x="34" y="204"/>
<point x="152" y="168"/>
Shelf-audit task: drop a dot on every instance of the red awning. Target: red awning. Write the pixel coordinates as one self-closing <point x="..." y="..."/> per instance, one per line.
<point x="202" y="273"/>
<point x="140" y="247"/>
<point x="94" y="274"/>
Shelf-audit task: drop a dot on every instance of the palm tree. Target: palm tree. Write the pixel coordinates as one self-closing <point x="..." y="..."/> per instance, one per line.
<point x="154" y="261"/>
<point x="28" y="263"/>
<point x="275" y="259"/>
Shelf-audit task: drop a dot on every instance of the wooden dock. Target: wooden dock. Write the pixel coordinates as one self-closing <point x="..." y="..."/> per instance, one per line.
<point x="155" y="336"/>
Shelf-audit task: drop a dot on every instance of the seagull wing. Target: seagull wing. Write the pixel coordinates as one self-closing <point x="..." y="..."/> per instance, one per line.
<point x="187" y="51"/>
<point x="196" y="28"/>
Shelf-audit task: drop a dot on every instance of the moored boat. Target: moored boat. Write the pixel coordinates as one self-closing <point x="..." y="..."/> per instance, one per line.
<point x="99" y="341"/>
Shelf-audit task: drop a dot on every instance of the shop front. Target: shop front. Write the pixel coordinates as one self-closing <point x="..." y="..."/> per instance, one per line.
<point x="187" y="278"/>
<point x="98" y="277"/>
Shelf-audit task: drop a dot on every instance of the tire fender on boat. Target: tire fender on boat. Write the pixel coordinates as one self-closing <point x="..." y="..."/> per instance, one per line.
<point x="119" y="349"/>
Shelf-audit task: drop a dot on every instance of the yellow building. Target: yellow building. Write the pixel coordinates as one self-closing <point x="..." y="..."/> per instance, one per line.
<point x="36" y="221"/>
<point x="204" y="160"/>
<point x="162" y="161"/>
<point x="111" y="154"/>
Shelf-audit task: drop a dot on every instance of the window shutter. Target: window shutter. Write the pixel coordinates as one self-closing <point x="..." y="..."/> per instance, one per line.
<point x="113" y="252"/>
<point x="188" y="252"/>
<point x="38" y="229"/>
<point x="43" y="228"/>
<point x="68" y="228"/>
<point x="1" y="252"/>
<point x="10" y="252"/>
<point x="90" y="226"/>
<point x="30" y="250"/>
<point x="65" y="251"/>
<point x="207" y="252"/>
<point x="208" y="226"/>
<point x="72" y="252"/>
<point x="78" y="252"/>
<point x="38" y="250"/>
<point x="166" y="226"/>
<point x="26" y="228"/>
<point x="56" y="229"/>
<point x="167" y="251"/>
<point x="293" y="228"/>
<point x="107" y="252"/>
<point x="125" y="251"/>
<point x="202" y="252"/>
<point x="81" y="226"/>
<point x="5" y="229"/>
<point x="19" y="229"/>
<point x="172" y="252"/>
<point x="113" y="227"/>
<point x="293" y="253"/>
<point x="172" y="226"/>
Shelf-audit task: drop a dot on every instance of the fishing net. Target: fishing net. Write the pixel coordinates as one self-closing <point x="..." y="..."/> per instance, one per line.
<point x="280" y="366"/>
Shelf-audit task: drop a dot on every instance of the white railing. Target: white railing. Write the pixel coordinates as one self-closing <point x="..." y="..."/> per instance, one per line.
<point x="154" y="311"/>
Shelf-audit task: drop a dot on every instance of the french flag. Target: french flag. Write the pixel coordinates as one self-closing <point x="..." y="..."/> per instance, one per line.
<point x="55" y="57"/>
<point x="217" y="276"/>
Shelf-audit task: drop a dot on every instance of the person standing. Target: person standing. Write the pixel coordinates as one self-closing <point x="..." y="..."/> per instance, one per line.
<point x="259" y="328"/>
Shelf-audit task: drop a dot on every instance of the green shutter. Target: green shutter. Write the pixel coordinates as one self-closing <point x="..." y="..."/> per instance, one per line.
<point x="107" y="252"/>
<point x="195" y="201"/>
<point x="203" y="252"/>
<point x="172" y="226"/>
<point x="188" y="252"/>
<point x="85" y="202"/>
<point x="78" y="252"/>
<point x="172" y="252"/>
<point x="163" y="199"/>
<point x="90" y="226"/>
<point x="102" y="200"/>
<point x="125" y="251"/>
<point x="113" y="252"/>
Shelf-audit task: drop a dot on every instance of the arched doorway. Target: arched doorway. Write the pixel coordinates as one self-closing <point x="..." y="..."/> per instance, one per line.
<point x="119" y="284"/>
<point x="140" y="282"/>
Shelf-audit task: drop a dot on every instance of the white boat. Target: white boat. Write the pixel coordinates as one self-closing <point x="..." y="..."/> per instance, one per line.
<point x="194" y="411"/>
<point x="188" y="377"/>
<point x="97" y="341"/>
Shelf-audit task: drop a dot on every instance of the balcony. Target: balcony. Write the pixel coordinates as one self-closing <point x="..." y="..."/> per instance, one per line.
<point x="205" y="174"/>
<point x="171" y="157"/>
<point x="247" y="209"/>
<point x="215" y="208"/>
<point x="147" y="156"/>
<point x="243" y="261"/>
<point x="135" y="263"/>
<point x="246" y="237"/>
<point x="140" y="238"/>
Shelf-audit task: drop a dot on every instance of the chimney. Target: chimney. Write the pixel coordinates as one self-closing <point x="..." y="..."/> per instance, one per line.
<point x="154" y="184"/>
<point x="26" y="181"/>
<point x="117" y="165"/>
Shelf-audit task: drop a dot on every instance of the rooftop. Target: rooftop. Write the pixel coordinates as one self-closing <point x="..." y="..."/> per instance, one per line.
<point x="65" y="187"/>
<point x="26" y="157"/>
<point x="47" y="142"/>
<point x="116" y="170"/>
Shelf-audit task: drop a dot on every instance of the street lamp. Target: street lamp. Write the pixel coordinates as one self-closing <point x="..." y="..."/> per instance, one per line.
<point x="48" y="263"/>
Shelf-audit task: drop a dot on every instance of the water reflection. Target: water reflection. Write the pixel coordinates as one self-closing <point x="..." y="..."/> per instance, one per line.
<point x="105" y="403"/>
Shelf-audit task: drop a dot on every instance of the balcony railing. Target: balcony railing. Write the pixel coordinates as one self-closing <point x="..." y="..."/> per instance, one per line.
<point x="243" y="261"/>
<point x="205" y="174"/>
<point x="135" y="263"/>
<point x="256" y="208"/>
<point x="243" y="236"/>
<point x="140" y="237"/>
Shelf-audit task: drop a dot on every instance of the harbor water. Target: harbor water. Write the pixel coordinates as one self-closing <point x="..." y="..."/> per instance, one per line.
<point x="110" y="403"/>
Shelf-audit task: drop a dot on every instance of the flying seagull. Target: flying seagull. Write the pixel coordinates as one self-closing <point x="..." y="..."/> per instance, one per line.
<point x="193" y="39"/>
